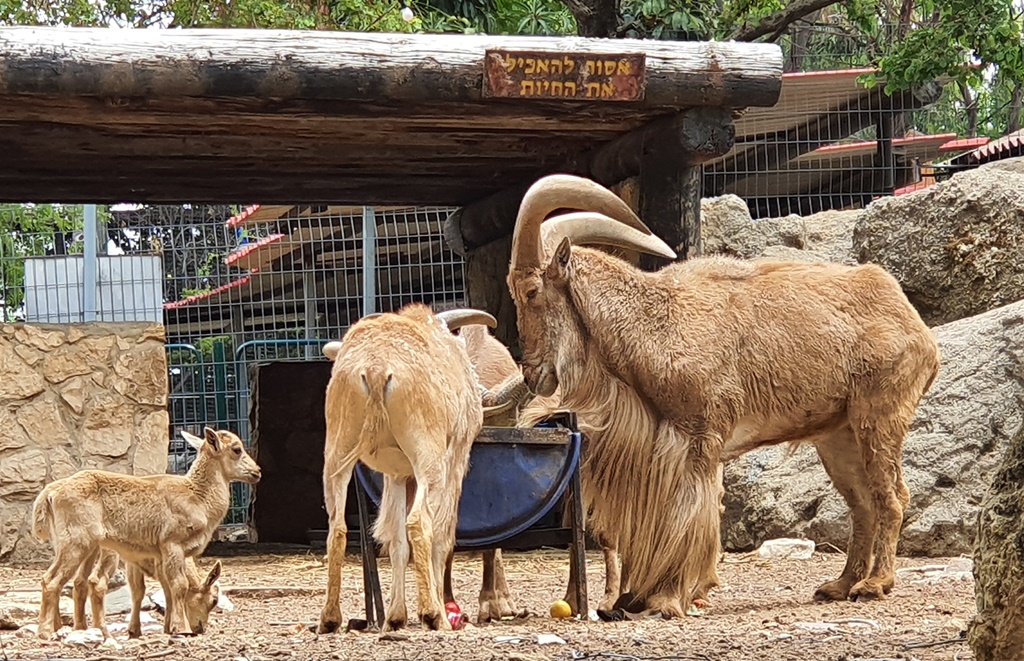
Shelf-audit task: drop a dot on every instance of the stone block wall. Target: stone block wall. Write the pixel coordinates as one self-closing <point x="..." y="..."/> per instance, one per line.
<point x="75" y="396"/>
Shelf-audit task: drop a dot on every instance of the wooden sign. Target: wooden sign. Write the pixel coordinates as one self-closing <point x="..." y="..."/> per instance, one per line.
<point x="566" y="76"/>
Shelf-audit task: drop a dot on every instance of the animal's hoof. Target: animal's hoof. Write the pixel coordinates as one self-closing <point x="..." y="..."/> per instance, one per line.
<point x="495" y="606"/>
<point x="627" y="602"/>
<point x="134" y="633"/>
<point x="869" y="589"/>
<point x="328" y="625"/>
<point x="394" y="624"/>
<point x="435" y="621"/>
<point x="832" y="591"/>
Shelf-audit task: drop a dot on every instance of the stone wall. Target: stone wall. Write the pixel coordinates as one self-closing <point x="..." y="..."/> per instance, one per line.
<point x="72" y="397"/>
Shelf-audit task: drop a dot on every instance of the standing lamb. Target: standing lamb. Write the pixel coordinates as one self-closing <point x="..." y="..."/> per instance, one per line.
<point x="403" y="398"/>
<point x="705" y="360"/>
<point x="164" y="518"/>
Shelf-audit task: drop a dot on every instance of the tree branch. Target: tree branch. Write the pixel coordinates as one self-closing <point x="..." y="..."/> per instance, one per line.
<point x="595" y="18"/>
<point x="777" y="23"/>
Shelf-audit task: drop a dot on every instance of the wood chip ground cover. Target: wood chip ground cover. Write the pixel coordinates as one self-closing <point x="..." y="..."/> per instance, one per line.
<point x="763" y="610"/>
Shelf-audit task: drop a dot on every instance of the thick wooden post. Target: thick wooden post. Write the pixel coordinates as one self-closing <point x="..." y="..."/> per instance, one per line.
<point x="486" y="289"/>
<point x="670" y="192"/>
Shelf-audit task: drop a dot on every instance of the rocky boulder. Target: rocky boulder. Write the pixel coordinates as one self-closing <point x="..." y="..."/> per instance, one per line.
<point x="727" y="228"/>
<point x="956" y="247"/>
<point x="997" y="631"/>
<point x="962" y="429"/>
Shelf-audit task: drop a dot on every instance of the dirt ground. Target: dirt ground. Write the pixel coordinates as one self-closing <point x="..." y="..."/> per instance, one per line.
<point x="762" y="611"/>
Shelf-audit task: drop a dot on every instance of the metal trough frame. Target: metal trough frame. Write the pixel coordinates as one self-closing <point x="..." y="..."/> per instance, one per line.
<point x="573" y="499"/>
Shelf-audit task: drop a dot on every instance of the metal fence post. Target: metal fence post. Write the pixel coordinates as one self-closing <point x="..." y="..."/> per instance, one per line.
<point x="90" y="264"/>
<point x="369" y="261"/>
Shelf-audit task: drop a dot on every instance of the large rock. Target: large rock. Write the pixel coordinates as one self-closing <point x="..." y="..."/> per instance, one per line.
<point x="727" y="228"/>
<point x="956" y="247"/>
<point x="997" y="631"/>
<point x="963" y="426"/>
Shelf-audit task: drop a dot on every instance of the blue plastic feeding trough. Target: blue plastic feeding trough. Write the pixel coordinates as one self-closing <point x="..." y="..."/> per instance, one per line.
<point x="515" y="477"/>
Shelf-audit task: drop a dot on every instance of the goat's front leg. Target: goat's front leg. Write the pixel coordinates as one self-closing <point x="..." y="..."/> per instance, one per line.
<point x="172" y="569"/>
<point x="137" y="585"/>
<point x="421" y="532"/>
<point x="335" y="491"/>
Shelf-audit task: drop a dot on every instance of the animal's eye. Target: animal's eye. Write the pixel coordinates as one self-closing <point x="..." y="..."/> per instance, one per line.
<point x="238" y="450"/>
<point x="531" y="294"/>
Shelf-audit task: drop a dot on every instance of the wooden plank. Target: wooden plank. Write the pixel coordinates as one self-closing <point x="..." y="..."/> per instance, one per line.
<point x="523" y="435"/>
<point x="348" y="66"/>
<point x="568" y="76"/>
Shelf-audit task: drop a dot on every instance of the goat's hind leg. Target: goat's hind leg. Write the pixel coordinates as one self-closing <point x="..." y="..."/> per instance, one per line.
<point x="335" y="495"/>
<point x="881" y="445"/>
<point x="390" y="528"/>
<point x="841" y="457"/>
<point x="420" y="525"/>
<point x="65" y="563"/>
<point x="80" y="593"/>
<point x="98" y="580"/>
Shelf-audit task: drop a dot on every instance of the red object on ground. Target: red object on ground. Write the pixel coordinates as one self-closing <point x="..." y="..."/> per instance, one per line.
<point x="455" y="615"/>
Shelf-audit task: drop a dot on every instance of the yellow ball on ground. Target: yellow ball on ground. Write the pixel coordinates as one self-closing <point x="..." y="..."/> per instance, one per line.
<point x="561" y="610"/>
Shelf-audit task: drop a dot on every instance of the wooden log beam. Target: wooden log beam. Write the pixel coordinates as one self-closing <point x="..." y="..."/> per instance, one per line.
<point x="347" y="66"/>
<point x="695" y="136"/>
<point x="692" y="137"/>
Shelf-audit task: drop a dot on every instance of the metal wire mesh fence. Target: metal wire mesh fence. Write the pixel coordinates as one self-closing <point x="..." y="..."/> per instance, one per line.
<point x="233" y="290"/>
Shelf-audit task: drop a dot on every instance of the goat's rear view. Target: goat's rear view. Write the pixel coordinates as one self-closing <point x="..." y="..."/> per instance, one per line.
<point x="403" y="398"/>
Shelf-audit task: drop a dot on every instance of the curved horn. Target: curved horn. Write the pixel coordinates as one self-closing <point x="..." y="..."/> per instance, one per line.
<point x="586" y="227"/>
<point x="456" y="319"/>
<point x="372" y="315"/>
<point x="511" y="394"/>
<point x="562" y="191"/>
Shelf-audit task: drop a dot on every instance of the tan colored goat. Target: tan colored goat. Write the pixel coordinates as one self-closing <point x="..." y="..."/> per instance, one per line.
<point x="163" y="518"/>
<point x="200" y="599"/>
<point x="704" y="360"/>
<point x="403" y="398"/>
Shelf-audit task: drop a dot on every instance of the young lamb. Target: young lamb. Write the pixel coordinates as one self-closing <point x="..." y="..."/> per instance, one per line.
<point x="404" y="399"/>
<point x="202" y="596"/>
<point x="162" y="518"/>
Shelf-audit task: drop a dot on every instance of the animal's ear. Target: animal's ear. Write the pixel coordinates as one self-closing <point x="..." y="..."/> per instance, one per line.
<point x="214" y="575"/>
<point x="212" y="438"/>
<point x="558" y="268"/>
<point x="192" y="439"/>
<point x="331" y="350"/>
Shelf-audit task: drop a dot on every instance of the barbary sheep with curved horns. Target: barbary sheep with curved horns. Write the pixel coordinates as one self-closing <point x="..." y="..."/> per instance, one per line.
<point x="403" y="398"/>
<point x="707" y="359"/>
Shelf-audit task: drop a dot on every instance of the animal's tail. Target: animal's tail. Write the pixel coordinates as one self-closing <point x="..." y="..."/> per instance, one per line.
<point x="377" y="385"/>
<point x="42" y="515"/>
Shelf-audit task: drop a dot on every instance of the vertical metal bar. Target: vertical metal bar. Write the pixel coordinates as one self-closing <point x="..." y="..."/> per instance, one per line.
<point x="886" y="160"/>
<point x="90" y="265"/>
<point x="578" y="556"/>
<point x="369" y="261"/>
<point x="368" y="551"/>
<point x="309" y="307"/>
<point x="220" y="384"/>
